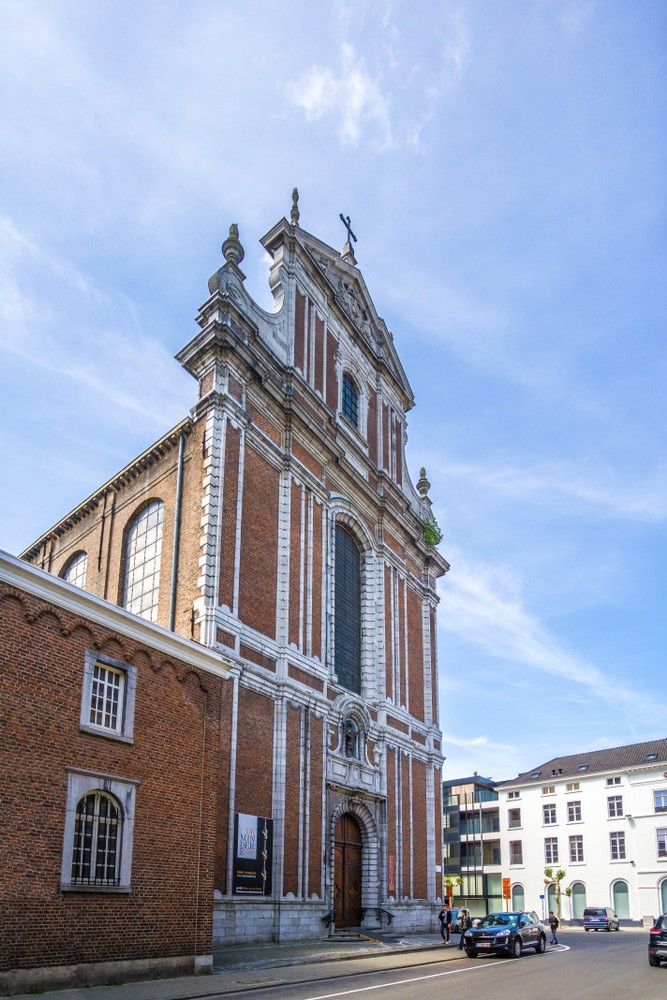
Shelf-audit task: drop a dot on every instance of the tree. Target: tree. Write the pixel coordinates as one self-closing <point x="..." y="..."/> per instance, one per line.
<point x="449" y="886"/>
<point x="555" y="881"/>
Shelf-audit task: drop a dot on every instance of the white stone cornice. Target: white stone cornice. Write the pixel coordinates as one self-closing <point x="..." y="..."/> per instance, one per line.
<point x="52" y="589"/>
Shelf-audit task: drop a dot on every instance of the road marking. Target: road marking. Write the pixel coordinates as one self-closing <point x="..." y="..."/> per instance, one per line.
<point x="404" y="982"/>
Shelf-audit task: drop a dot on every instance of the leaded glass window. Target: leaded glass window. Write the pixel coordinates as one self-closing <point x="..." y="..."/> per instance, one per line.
<point x="347" y="632"/>
<point x="143" y="548"/>
<point x="350" y="405"/>
<point x="75" y="571"/>
<point x="97" y="838"/>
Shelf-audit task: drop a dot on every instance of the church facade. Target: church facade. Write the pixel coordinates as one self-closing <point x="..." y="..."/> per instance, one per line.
<point x="277" y="527"/>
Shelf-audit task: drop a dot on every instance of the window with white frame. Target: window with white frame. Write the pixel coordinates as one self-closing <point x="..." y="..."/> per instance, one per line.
<point x="614" y="806"/>
<point x="513" y="795"/>
<point x="576" y="848"/>
<point x="75" y="570"/>
<point x="613" y="781"/>
<point x="573" y="786"/>
<point x="549" y="790"/>
<point x="143" y="551"/>
<point x="551" y="850"/>
<point x="99" y="827"/>
<point x="516" y="852"/>
<point x="574" y="811"/>
<point x="549" y="814"/>
<point x="617" y="845"/>
<point x="662" y="842"/>
<point x="513" y="818"/>
<point x="108" y="696"/>
<point x="660" y="800"/>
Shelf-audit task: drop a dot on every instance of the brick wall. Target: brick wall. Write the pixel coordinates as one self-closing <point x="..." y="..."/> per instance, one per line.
<point x="259" y="544"/>
<point x="175" y="759"/>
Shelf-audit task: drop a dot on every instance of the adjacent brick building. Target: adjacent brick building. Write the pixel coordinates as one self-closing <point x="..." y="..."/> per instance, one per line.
<point x="278" y="528"/>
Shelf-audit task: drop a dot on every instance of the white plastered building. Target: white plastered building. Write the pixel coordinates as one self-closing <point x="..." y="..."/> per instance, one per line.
<point x="602" y="817"/>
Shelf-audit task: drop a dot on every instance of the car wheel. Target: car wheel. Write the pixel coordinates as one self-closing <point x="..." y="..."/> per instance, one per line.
<point x="608" y="928"/>
<point x="541" y="945"/>
<point x="587" y="929"/>
<point x="516" y="948"/>
<point x="652" y="960"/>
<point x="471" y="953"/>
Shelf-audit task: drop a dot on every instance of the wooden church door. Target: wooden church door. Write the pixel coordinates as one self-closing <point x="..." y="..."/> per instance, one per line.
<point x="347" y="872"/>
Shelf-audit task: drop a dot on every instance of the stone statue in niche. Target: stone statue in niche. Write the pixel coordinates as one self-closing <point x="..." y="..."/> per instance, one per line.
<point x="351" y="739"/>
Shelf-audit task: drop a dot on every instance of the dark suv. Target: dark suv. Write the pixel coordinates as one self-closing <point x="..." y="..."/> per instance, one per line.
<point x="506" y="933"/>
<point x="657" y="942"/>
<point x="600" y="918"/>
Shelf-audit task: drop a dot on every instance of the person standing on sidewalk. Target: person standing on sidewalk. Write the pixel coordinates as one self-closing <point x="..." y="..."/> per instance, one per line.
<point x="466" y="924"/>
<point x="445" y="918"/>
<point x="554" y="924"/>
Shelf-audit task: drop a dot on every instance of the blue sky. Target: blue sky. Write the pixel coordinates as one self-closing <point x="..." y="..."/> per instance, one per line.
<point x="503" y="164"/>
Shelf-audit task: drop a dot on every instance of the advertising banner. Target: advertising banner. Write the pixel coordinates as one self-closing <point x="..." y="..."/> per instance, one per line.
<point x="253" y="854"/>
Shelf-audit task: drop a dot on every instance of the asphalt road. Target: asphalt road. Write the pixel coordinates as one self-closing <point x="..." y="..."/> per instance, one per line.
<point x="594" y="966"/>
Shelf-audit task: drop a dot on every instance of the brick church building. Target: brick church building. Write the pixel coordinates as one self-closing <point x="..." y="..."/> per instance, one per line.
<point x="240" y="696"/>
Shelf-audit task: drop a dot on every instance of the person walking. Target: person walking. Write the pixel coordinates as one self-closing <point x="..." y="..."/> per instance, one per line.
<point x="445" y="918"/>
<point x="554" y="924"/>
<point x="466" y="924"/>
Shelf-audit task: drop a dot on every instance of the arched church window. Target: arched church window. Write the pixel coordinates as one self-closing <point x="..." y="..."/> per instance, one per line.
<point x="347" y="608"/>
<point x="350" y="402"/>
<point x="143" y="549"/>
<point x="75" y="570"/>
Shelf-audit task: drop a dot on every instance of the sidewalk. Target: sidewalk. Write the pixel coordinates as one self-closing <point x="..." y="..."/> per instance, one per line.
<point x="266" y="965"/>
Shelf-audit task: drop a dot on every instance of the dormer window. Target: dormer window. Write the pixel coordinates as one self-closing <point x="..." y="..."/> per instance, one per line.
<point x="350" y="401"/>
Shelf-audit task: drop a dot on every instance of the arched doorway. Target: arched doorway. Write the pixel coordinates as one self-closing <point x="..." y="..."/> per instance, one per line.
<point x="551" y="898"/>
<point x="663" y="896"/>
<point x="347" y="872"/>
<point x="518" y="898"/>
<point x="578" y="900"/>
<point x="621" y="899"/>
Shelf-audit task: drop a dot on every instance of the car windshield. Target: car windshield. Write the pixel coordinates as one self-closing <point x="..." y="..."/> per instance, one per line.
<point x="499" y="920"/>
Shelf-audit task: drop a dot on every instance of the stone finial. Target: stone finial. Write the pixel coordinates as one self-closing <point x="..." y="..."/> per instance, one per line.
<point x="423" y="485"/>
<point x="295" y="214"/>
<point x="232" y="248"/>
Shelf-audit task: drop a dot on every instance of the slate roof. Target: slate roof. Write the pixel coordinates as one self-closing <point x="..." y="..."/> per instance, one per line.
<point x="596" y="762"/>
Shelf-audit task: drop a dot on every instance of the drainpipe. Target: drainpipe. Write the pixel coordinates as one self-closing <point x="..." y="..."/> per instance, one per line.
<point x="177" y="535"/>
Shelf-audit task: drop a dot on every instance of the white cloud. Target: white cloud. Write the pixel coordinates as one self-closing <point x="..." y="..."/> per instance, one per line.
<point x="483" y="605"/>
<point x="352" y="96"/>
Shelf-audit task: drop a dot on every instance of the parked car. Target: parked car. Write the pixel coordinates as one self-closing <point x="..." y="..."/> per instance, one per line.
<point x="506" y="933"/>
<point x="657" y="941"/>
<point x="601" y="918"/>
<point x="456" y="924"/>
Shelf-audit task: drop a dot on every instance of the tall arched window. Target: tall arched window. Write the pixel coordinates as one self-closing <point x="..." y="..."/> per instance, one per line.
<point x="350" y="401"/>
<point x="75" y="571"/>
<point x="518" y="898"/>
<point x="578" y="900"/>
<point x="347" y="632"/>
<point x="663" y="896"/>
<point x="143" y="547"/>
<point x="621" y="899"/>
<point x="97" y="839"/>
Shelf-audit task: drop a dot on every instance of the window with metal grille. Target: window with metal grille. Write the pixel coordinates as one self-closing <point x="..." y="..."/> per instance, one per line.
<point x="614" y="805"/>
<point x="617" y="845"/>
<point x="662" y="842"/>
<point x="551" y="850"/>
<point x="549" y="814"/>
<point x="143" y="549"/>
<point x="97" y="839"/>
<point x="574" y="811"/>
<point x="577" y="848"/>
<point x="75" y="571"/>
<point x="347" y="630"/>
<point x="350" y="401"/>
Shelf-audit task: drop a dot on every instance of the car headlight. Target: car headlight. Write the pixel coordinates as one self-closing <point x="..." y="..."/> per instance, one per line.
<point x="467" y="934"/>
<point x="502" y="936"/>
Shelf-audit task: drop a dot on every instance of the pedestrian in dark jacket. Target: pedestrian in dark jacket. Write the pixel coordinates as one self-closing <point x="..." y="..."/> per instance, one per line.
<point x="445" y="918"/>
<point x="554" y="924"/>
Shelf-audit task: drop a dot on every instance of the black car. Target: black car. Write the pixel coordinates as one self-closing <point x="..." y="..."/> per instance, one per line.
<point x="657" y="942"/>
<point x="506" y="933"/>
